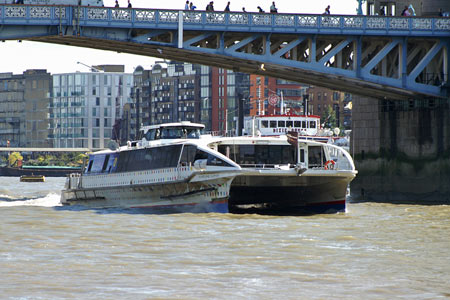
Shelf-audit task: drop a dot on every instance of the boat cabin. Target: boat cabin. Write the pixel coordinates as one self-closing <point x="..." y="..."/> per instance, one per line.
<point x="151" y="158"/>
<point x="268" y="125"/>
<point x="182" y="130"/>
<point x="268" y="153"/>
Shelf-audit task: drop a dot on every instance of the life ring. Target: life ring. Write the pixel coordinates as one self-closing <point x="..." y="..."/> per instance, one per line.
<point x="329" y="165"/>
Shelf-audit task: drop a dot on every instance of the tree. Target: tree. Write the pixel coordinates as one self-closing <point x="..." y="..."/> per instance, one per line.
<point x="79" y="159"/>
<point x="329" y="117"/>
<point x="14" y="159"/>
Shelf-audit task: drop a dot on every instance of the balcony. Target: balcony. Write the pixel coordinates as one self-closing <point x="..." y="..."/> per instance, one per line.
<point x="9" y="131"/>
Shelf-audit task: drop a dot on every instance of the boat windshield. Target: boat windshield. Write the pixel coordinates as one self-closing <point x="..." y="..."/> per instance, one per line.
<point x="180" y="133"/>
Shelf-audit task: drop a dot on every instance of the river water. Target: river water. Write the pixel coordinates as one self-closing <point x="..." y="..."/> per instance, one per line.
<point x="373" y="251"/>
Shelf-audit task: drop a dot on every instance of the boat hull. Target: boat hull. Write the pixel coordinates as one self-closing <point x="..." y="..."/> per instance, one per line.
<point x="292" y="195"/>
<point x="48" y="172"/>
<point x="174" y="197"/>
<point x="32" y="178"/>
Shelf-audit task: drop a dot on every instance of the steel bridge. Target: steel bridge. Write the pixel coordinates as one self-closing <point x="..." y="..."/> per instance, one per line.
<point x="381" y="57"/>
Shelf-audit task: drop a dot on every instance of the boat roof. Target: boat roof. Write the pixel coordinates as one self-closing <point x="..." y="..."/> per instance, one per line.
<point x="177" y="124"/>
<point x="288" y="116"/>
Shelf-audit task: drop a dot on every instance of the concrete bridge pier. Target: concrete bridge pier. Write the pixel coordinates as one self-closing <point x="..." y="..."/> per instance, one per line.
<point x="401" y="150"/>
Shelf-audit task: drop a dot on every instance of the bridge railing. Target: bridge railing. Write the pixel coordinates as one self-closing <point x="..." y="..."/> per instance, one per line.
<point x="142" y="18"/>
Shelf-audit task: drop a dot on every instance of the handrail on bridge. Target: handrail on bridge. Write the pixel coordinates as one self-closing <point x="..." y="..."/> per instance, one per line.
<point x="264" y="22"/>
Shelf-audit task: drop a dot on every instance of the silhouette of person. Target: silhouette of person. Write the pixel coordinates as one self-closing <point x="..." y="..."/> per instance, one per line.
<point x="273" y="8"/>
<point x="405" y="12"/>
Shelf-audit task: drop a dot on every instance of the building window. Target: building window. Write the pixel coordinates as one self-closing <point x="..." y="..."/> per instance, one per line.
<point x="336" y="96"/>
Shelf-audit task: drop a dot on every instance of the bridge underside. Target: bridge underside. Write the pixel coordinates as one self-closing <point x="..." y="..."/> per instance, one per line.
<point x="334" y="71"/>
<point x="329" y="80"/>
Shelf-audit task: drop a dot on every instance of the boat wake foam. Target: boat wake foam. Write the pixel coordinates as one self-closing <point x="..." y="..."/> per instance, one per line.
<point x="49" y="200"/>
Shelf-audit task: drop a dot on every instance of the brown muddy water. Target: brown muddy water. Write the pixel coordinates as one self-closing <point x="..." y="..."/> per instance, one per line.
<point x="373" y="251"/>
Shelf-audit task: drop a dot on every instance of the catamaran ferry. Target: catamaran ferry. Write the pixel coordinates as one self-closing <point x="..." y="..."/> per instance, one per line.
<point x="169" y="170"/>
<point x="282" y="175"/>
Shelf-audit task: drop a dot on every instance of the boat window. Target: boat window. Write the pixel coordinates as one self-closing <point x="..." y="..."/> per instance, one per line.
<point x="251" y="155"/>
<point x="91" y="161"/>
<point x="141" y="134"/>
<point x="96" y="163"/>
<point x="216" y="161"/>
<point x="297" y="124"/>
<point x="150" y="135"/>
<point x="149" y="158"/>
<point x="302" y="155"/>
<point x="123" y="161"/>
<point x="172" y="133"/>
<point x="193" y="133"/>
<point x="281" y="123"/>
<point x="265" y="124"/>
<point x="303" y="124"/>
<point x="273" y="124"/>
<point x="316" y="156"/>
<point x="105" y="163"/>
<point x="112" y="164"/>
<point x="289" y="123"/>
<point x="188" y="155"/>
<point x="200" y="155"/>
<point x="312" y="124"/>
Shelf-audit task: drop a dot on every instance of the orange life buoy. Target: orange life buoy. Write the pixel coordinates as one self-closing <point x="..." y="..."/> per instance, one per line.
<point x="330" y="165"/>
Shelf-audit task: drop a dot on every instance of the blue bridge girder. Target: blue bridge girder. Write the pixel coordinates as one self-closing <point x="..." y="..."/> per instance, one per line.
<point x="381" y="57"/>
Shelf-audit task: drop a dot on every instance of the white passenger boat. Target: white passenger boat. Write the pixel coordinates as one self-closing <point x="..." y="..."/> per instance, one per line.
<point x="169" y="170"/>
<point x="281" y="176"/>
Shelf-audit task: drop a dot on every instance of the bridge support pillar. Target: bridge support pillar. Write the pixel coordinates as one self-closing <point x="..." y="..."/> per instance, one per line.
<point x="401" y="150"/>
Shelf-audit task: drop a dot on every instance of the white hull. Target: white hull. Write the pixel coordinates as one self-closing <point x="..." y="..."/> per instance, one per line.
<point x="177" y="188"/>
